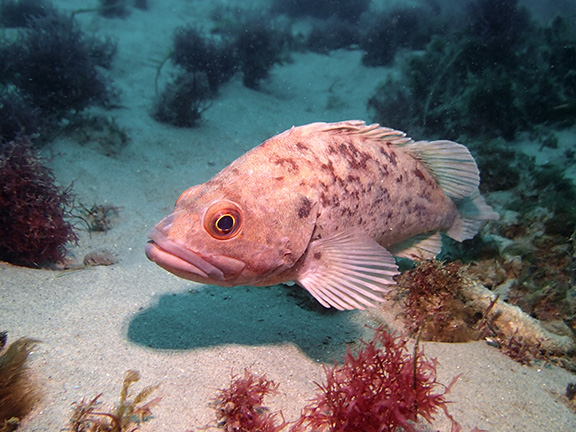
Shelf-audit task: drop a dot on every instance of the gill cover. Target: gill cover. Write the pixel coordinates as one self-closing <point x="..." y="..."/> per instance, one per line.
<point x="266" y="228"/>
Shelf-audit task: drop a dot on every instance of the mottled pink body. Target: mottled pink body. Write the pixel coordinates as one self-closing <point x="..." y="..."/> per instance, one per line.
<point x="325" y="205"/>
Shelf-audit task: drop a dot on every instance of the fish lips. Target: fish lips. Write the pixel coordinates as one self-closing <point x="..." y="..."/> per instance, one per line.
<point x="188" y="264"/>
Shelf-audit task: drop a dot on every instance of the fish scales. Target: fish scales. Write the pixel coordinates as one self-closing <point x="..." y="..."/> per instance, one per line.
<point x="325" y="205"/>
<point x="366" y="184"/>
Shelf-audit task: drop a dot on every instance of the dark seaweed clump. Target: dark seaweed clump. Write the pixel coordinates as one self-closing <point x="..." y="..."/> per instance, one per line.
<point x="198" y="54"/>
<point x="120" y="8"/>
<point x="204" y="63"/>
<point x="18" y="13"/>
<point x="258" y="48"/>
<point x="344" y="10"/>
<point x="33" y="210"/>
<point x="387" y="33"/>
<point x="49" y="72"/>
<point x="114" y="8"/>
<point x="183" y="100"/>
<point x="499" y="74"/>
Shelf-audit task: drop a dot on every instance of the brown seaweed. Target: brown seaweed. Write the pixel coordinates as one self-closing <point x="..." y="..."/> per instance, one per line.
<point x="128" y="415"/>
<point x="18" y="395"/>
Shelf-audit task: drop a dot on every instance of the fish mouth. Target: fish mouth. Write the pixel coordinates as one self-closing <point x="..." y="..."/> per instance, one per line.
<point x="188" y="264"/>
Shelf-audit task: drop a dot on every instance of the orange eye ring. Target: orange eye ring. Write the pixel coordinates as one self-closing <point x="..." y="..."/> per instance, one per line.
<point x="223" y="220"/>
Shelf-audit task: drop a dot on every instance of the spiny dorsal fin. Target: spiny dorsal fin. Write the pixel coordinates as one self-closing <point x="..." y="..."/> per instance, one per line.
<point x="450" y="163"/>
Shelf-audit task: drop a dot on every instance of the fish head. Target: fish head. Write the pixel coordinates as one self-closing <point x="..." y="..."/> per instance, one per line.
<point x="230" y="237"/>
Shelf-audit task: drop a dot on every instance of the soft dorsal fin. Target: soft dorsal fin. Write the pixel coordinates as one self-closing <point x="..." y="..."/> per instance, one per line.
<point x="450" y="163"/>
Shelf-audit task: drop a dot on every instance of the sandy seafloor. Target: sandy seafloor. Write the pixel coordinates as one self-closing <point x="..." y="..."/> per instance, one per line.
<point x="97" y="323"/>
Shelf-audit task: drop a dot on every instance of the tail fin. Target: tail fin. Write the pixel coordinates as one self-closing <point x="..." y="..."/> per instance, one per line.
<point x="473" y="214"/>
<point x="457" y="174"/>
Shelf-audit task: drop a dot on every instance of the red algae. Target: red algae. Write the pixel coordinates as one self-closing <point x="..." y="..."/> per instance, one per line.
<point x="239" y="407"/>
<point x="384" y="387"/>
<point x="33" y="210"/>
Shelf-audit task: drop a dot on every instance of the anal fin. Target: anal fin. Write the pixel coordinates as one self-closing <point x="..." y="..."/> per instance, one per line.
<point x="420" y="247"/>
<point x="347" y="270"/>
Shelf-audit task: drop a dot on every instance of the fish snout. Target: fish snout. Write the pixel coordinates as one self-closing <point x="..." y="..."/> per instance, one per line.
<point x="181" y="261"/>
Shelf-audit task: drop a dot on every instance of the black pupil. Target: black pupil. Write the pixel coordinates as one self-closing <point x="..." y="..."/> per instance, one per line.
<point x="225" y="223"/>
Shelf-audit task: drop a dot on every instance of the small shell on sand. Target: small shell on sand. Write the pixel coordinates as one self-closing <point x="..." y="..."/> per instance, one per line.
<point x="100" y="258"/>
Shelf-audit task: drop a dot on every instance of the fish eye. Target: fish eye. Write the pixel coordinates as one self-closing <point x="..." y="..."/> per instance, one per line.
<point x="223" y="220"/>
<point x="225" y="223"/>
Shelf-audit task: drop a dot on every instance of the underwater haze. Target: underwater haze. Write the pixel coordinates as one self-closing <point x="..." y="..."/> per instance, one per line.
<point x="110" y="109"/>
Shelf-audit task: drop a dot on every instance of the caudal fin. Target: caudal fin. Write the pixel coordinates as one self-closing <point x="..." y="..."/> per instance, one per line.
<point x="457" y="174"/>
<point x="473" y="214"/>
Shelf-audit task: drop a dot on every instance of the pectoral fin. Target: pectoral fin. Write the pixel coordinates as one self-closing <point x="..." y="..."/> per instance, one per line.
<point x="348" y="270"/>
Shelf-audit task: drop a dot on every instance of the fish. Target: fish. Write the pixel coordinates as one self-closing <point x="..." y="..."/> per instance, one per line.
<point x="327" y="206"/>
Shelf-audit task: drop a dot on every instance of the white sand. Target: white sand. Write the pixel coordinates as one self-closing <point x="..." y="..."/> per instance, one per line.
<point x="97" y="323"/>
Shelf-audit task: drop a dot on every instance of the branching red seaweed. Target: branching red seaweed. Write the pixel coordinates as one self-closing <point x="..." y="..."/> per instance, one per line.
<point x="381" y="388"/>
<point x="239" y="408"/>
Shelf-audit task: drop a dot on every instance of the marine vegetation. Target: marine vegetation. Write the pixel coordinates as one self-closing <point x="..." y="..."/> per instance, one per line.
<point x="385" y="386"/>
<point x="344" y="10"/>
<point x="18" y="13"/>
<point x="402" y="27"/>
<point x="53" y="66"/>
<point x="204" y="63"/>
<point x="531" y="264"/>
<point x="258" y="48"/>
<point x="198" y="54"/>
<point x="128" y="415"/>
<point x="99" y="217"/>
<point x="183" y="100"/>
<point x="34" y="211"/>
<point x="479" y="80"/>
<point x="19" y="116"/>
<point x="453" y="302"/>
<point x="114" y="8"/>
<point x="240" y="406"/>
<point x="433" y="303"/>
<point x="18" y="395"/>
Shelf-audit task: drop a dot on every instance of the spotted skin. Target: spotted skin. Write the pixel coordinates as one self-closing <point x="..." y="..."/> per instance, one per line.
<point x="302" y="197"/>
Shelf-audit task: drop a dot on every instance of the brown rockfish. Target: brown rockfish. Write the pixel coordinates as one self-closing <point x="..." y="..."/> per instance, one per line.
<point x="326" y="205"/>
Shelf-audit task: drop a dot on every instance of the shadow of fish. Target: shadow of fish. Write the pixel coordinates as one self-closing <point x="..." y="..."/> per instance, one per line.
<point x="326" y="205"/>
